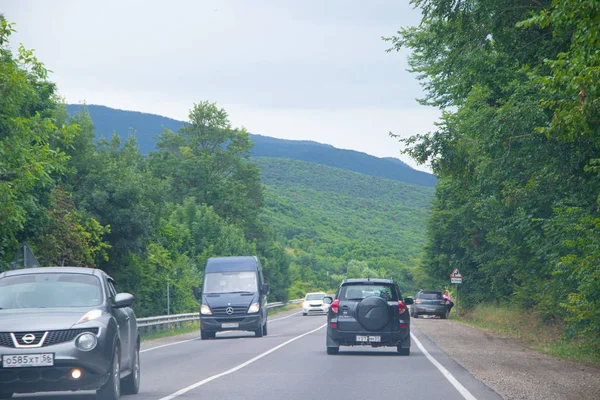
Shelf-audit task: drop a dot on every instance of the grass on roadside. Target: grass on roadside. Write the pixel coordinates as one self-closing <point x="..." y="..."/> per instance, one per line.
<point x="529" y="329"/>
<point x="194" y="326"/>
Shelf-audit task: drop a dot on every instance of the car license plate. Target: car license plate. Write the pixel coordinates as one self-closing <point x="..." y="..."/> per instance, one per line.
<point x="28" y="360"/>
<point x="431" y="309"/>
<point x="370" y="339"/>
<point x="230" y="325"/>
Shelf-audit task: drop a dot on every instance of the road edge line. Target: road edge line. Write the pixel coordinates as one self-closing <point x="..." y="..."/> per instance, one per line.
<point x="288" y="316"/>
<point x="166" y="345"/>
<point x="191" y="340"/>
<point x="457" y="385"/>
<point x="237" y="368"/>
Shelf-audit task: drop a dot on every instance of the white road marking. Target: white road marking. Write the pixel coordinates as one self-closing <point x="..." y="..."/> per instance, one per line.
<point x="279" y="319"/>
<point x="191" y="340"/>
<point x="457" y="385"/>
<point x="166" y="345"/>
<point x="237" y="368"/>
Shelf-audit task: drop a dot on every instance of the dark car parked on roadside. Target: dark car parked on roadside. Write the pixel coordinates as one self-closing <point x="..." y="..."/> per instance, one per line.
<point x="368" y="312"/>
<point x="66" y="329"/>
<point x="429" y="302"/>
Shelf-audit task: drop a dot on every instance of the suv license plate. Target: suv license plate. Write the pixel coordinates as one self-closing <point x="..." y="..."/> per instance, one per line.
<point x="29" y="360"/>
<point x="230" y="325"/>
<point x="370" y="339"/>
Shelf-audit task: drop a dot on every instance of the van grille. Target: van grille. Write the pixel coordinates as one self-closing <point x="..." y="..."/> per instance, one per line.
<point x="222" y="311"/>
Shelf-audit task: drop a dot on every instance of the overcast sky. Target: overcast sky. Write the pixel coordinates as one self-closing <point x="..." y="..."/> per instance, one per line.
<point x="294" y="69"/>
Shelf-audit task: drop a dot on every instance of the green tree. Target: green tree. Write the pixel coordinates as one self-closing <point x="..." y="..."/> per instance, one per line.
<point x="68" y="238"/>
<point x="27" y="129"/>
<point x="516" y="150"/>
<point x="207" y="160"/>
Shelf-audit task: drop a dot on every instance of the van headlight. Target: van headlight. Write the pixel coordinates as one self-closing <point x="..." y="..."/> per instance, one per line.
<point x="86" y="342"/>
<point x="254" y="307"/>
<point x="205" y="310"/>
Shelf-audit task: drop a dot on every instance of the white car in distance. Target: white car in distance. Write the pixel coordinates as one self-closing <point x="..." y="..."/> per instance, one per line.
<point x="313" y="303"/>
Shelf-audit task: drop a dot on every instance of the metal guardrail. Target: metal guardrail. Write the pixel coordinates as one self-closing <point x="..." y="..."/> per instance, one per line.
<point x="160" y="323"/>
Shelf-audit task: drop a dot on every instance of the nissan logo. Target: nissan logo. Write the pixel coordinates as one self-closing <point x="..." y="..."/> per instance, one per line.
<point x="28" y="339"/>
<point x="229" y="310"/>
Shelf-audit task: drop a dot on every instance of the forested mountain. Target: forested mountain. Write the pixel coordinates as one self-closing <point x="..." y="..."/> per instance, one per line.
<point x="517" y="153"/>
<point x="147" y="126"/>
<point x="338" y="223"/>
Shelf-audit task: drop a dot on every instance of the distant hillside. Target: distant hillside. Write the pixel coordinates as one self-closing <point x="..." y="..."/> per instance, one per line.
<point x="148" y="126"/>
<point x="328" y="216"/>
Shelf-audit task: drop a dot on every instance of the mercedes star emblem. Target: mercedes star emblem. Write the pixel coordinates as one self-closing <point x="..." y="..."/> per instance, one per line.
<point x="29" y="338"/>
<point x="229" y="310"/>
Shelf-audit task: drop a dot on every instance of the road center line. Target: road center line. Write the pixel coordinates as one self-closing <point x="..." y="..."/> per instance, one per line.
<point x="457" y="385"/>
<point x="237" y="368"/>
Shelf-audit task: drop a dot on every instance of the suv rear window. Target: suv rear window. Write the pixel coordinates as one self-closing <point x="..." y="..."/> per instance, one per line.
<point x="430" y="295"/>
<point x="361" y="291"/>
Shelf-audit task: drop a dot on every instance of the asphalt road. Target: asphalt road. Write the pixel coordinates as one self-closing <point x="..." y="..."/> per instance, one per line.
<point x="291" y="363"/>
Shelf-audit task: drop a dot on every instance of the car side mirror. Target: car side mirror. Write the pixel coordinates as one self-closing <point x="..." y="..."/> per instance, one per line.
<point x="327" y="300"/>
<point x="265" y="288"/>
<point x="123" y="300"/>
<point x="408" y="301"/>
<point x="197" y="292"/>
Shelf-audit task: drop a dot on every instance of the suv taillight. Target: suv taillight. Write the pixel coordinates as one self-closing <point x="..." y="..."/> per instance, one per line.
<point x="401" y="307"/>
<point x="335" y="306"/>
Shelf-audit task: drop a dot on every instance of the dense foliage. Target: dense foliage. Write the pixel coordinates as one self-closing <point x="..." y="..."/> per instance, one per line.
<point x="150" y="220"/>
<point x="336" y="223"/>
<point x="517" y="151"/>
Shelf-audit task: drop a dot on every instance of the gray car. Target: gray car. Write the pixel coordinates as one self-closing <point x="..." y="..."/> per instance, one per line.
<point x="66" y="329"/>
<point x="429" y="302"/>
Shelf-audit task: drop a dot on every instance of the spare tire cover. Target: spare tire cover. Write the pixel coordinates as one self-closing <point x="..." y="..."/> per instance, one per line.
<point x="373" y="313"/>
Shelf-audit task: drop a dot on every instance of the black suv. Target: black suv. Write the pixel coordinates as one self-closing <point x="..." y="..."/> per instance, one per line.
<point x="429" y="302"/>
<point x="368" y="312"/>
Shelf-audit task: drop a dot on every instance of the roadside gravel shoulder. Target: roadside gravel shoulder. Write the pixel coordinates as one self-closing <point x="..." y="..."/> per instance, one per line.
<point x="510" y="369"/>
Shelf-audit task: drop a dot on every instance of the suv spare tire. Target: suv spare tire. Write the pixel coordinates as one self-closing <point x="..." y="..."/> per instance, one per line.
<point x="373" y="313"/>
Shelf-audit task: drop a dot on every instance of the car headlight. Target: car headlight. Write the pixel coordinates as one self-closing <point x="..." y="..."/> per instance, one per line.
<point x="205" y="310"/>
<point x="90" y="315"/>
<point x="86" y="342"/>
<point x="254" y="307"/>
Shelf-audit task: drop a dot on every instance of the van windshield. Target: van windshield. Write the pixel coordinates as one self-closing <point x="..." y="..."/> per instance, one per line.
<point x="230" y="282"/>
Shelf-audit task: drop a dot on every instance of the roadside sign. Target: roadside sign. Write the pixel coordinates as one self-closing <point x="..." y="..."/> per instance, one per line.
<point x="456" y="274"/>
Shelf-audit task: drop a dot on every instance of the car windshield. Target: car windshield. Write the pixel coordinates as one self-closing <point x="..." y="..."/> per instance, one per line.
<point x="315" y="296"/>
<point x="359" y="292"/>
<point x="50" y="290"/>
<point x="430" y="296"/>
<point x="230" y="282"/>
